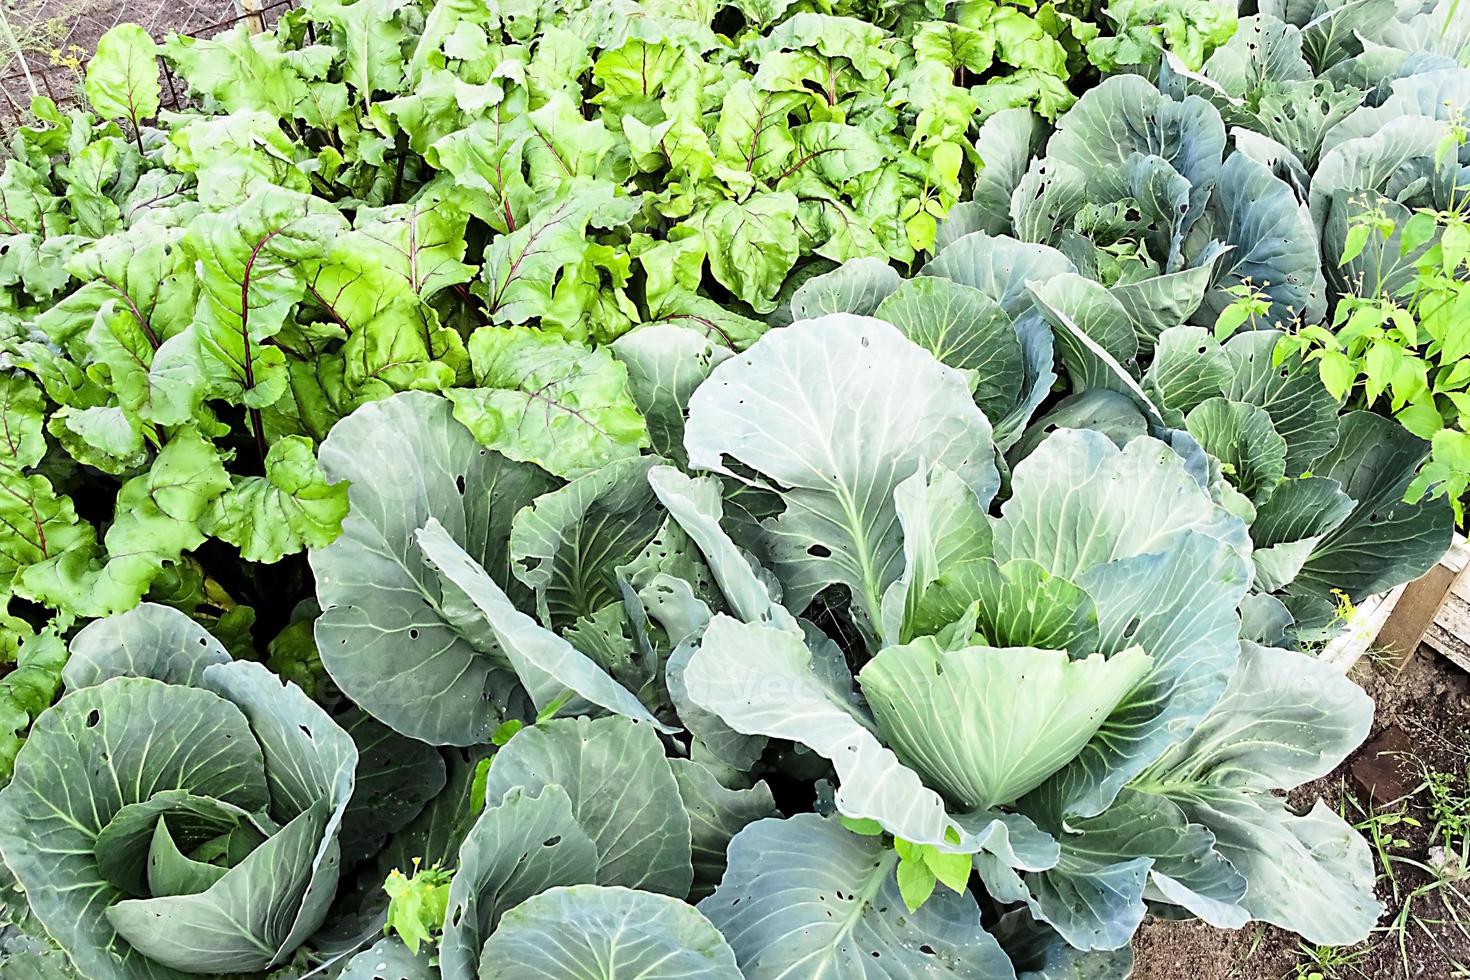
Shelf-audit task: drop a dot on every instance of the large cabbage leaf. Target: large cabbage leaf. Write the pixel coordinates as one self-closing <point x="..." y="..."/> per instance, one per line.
<point x="841" y="911"/>
<point x="789" y="408"/>
<point x="394" y="637"/>
<point x="592" y="932"/>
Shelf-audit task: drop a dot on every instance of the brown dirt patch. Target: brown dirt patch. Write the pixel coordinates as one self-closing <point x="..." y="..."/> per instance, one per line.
<point x="53" y="39"/>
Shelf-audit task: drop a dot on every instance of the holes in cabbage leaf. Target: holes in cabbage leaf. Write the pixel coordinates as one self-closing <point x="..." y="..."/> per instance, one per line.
<point x="819" y="551"/>
<point x="93" y="717"/>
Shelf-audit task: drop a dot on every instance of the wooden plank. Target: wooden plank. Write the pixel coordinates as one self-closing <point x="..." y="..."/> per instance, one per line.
<point x="253" y="12"/>
<point x="1449" y="634"/>
<point x="1433" y="610"/>
<point x="1414" y="612"/>
<point x="1459" y="554"/>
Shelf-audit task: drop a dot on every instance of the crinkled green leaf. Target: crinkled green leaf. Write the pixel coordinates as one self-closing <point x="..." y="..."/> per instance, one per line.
<point x="521" y="270"/>
<point x="290" y="508"/>
<point x="549" y="402"/>
<point x="251" y="273"/>
<point x="158" y="517"/>
<point x="752" y="245"/>
<point x="35" y="522"/>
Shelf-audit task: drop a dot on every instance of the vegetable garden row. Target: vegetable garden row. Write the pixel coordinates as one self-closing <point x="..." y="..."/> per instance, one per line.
<point x="587" y="489"/>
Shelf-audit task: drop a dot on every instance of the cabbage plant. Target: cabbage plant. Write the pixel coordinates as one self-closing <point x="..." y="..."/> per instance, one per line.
<point x="718" y="565"/>
<point x="1124" y="567"/>
<point x="1251" y="419"/>
<point x="191" y="299"/>
<point x="1058" y="690"/>
<point x="1021" y="653"/>
<point x="1344" y="110"/>
<point x="1362" y="114"/>
<point x="176" y="812"/>
<point x="563" y="873"/>
<point x="1244" y="171"/>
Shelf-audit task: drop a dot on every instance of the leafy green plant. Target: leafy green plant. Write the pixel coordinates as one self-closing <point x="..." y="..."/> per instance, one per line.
<point x="1438" y="901"/>
<point x="1189" y="30"/>
<point x="1386" y="829"/>
<point x="1409" y="351"/>
<point x="570" y="630"/>
<point x="1271" y="444"/>
<point x="709" y="688"/>
<point x="1329" y="963"/>
<point x="921" y="867"/>
<point x="30" y="683"/>
<point x="1338" y="115"/>
<point x="592" y="594"/>
<point x="609" y="421"/>
<point x="425" y="196"/>
<point x="1449" y="808"/>
<point x="416" y="905"/>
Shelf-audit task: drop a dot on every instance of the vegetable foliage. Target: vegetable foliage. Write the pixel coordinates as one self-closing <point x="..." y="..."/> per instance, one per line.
<point x="547" y="490"/>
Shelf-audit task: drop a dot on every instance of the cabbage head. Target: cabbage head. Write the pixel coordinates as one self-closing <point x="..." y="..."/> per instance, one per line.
<point x="176" y="812"/>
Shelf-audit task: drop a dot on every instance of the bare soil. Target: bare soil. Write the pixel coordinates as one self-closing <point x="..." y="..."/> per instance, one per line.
<point x="53" y="39"/>
<point x="1428" y="704"/>
<point x="73" y="26"/>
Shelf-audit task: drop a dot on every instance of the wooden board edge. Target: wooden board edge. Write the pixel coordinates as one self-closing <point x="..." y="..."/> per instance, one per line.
<point x="1434" y="609"/>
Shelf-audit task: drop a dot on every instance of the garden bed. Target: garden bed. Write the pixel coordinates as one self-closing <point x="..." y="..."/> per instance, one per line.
<point x="495" y="488"/>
